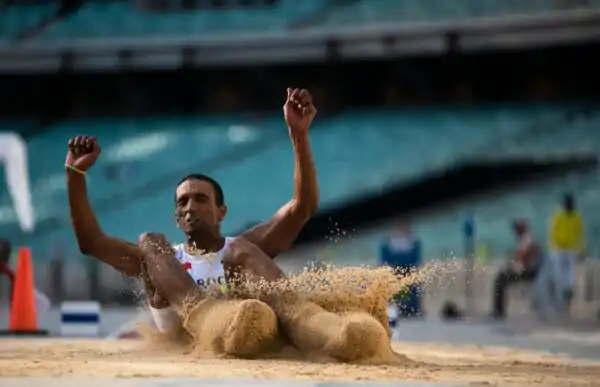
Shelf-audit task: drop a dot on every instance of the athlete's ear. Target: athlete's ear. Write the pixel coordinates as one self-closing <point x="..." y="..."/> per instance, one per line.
<point x="176" y="219"/>
<point x="222" y="212"/>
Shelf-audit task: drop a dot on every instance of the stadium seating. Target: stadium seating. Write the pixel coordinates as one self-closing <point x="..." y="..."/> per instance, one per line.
<point x="14" y="19"/>
<point x="397" y="11"/>
<point x="357" y="152"/>
<point x="442" y="231"/>
<point x="101" y="20"/>
<point x="122" y="19"/>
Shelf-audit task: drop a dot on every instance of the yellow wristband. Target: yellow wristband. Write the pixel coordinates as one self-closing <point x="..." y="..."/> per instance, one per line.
<point x="75" y="169"/>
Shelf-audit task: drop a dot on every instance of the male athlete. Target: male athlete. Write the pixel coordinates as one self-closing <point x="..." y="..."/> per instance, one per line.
<point x="173" y="275"/>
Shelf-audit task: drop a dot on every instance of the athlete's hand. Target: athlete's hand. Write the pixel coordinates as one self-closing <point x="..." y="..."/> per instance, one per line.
<point x="298" y="110"/>
<point x="83" y="152"/>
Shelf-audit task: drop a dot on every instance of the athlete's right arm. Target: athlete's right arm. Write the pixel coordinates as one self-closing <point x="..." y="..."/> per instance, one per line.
<point x="122" y="255"/>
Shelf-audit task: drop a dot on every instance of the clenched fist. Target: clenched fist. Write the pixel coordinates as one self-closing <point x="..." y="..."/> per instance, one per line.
<point x="83" y="152"/>
<point x="298" y="110"/>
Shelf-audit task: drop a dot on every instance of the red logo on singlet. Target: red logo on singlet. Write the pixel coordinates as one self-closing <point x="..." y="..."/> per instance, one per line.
<point x="187" y="265"/>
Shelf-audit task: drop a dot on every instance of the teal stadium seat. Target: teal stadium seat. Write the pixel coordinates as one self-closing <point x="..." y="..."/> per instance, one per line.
<point x="14" y="19"/>
<point x="109" y="20"/>
<point x="104" y="20"/>
<point x="410" y="11"/>
<point x="357" y="152"/>
<point x="441" y="231"/>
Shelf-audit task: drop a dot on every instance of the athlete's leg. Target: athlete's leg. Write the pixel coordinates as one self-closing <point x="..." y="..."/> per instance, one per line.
<point x="242" y="328"/>
<point x="235" y="327"/>
<point x="165" y="272"/>
<point x="344" y="302"/>
<point x="309" y="326"/>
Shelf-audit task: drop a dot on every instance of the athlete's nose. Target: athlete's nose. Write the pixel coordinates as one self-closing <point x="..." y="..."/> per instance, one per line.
<point x="192" y="206"/>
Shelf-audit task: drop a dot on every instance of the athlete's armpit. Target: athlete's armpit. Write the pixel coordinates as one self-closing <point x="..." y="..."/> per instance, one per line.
<point x="279" y="233"/>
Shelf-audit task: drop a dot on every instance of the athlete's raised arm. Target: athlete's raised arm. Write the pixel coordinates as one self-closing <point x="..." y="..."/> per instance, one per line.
<point x="278" y="234"/>
<point x="123" y="256"/>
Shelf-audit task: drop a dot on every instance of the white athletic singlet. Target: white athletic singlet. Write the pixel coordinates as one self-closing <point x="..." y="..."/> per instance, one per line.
<point x="207" y="272"/>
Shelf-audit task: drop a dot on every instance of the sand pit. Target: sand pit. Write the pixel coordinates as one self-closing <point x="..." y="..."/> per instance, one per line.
<point x="342" y="299"/>
<point x="135" y="359"/>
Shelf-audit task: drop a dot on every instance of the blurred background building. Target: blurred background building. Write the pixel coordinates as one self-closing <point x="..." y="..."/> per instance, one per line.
<point x="430" y="111"/>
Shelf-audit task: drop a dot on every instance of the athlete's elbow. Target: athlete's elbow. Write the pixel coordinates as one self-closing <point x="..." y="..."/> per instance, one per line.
<point x="313" y="207"/>
<point x="87" y="246"/>
<point x="312" y="210"/>
<point x="305" y="208"/>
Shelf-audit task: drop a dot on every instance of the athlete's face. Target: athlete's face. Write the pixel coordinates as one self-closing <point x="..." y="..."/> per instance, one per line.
<point x="196" y="207"/>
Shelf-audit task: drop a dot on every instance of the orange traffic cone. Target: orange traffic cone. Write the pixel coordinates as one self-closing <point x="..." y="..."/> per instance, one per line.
<point x="23" y="316"/>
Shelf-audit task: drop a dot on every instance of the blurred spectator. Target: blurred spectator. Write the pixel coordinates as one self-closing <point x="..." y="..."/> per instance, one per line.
<point x="567" y="245"/>
<point x="402" y="252"/>
<point x="5" y="249"/>
<point x="522" y="267"/>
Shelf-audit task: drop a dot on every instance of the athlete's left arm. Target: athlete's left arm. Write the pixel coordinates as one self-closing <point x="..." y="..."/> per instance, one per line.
<point x="279" y="233"/>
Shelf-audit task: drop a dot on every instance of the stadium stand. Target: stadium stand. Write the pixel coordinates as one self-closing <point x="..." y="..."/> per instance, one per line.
<point x="16" y="18"/>
<point x="357" y="152"/>
<point x="122" y="19"/>
<point x="442" y="233"/>
<point x="369" y="11"/>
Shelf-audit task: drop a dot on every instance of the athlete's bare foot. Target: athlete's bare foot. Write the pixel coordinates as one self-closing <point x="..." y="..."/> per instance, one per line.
<point x="252" y="331"/>
<point x="241" y="328"/>
<point x="360" y="337"/>
<point x="347" y="302"/>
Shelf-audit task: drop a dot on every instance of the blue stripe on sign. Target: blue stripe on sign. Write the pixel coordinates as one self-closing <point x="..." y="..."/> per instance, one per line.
<point x="80" y="318"/>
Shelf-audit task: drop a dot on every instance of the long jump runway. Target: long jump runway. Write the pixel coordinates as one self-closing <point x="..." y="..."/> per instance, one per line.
<point x="130" y="363"/>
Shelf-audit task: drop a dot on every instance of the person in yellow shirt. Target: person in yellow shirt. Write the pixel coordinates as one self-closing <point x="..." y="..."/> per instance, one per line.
<point x="567" y="245"/>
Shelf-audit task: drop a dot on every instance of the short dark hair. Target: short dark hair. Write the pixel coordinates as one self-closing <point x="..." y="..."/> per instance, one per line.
<point x="568" y="200"/>
<point x="219" y="195"/>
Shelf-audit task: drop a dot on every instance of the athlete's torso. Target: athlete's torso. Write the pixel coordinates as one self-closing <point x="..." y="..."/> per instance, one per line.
<point x="207" y="271"/>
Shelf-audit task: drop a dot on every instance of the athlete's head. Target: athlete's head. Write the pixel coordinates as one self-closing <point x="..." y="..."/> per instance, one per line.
<point x="520" y="226"/>
<point x="568" y="202"/>
<point x="5" y="249"/>
<point x="199" y="204"/>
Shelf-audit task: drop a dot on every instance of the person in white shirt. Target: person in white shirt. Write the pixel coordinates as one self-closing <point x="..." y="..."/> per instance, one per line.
<point x="209" y="262"/>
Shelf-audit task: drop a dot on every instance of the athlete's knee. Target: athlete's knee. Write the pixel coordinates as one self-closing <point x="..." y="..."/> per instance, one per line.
<point x="155" y="246"/>
<point x="237" y="252"/>
<point x="241" y="253"/>
<point x="152" y="237"/>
